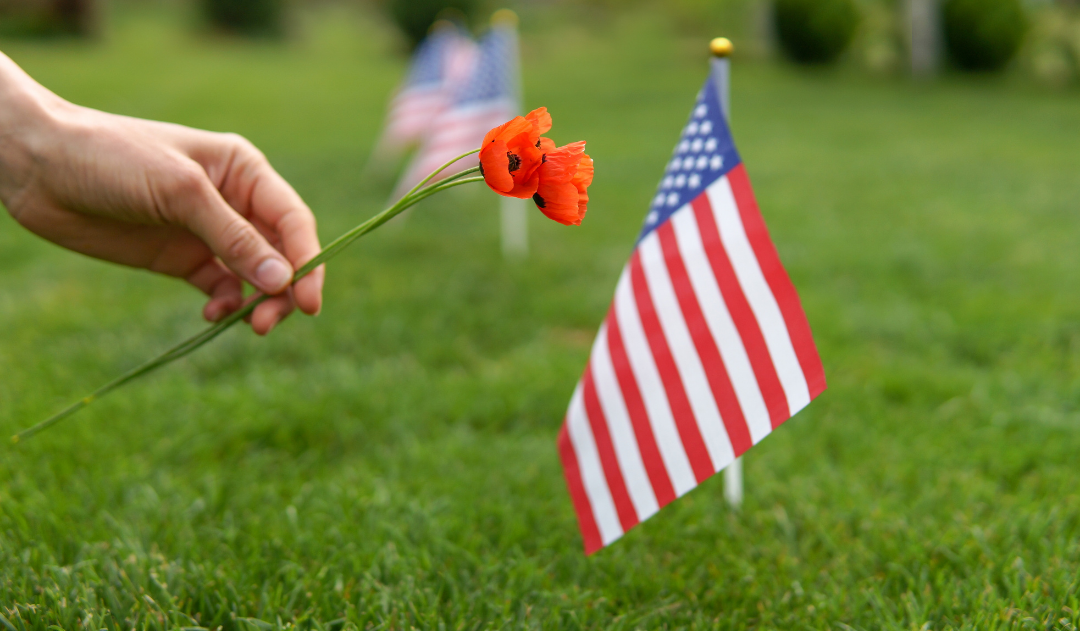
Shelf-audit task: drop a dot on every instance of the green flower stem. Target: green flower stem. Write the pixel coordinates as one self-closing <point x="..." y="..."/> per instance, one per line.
<point x="419" y="192"/>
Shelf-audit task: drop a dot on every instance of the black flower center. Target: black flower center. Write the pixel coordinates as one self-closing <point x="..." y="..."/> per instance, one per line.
<point x="539" y="200"/>
<point x="515" y="161"/>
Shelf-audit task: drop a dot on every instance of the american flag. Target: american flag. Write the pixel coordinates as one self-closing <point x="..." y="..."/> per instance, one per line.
<point x="487" y="98"/>
<point x="441" y="62"/>
<point x="705" y="349"/>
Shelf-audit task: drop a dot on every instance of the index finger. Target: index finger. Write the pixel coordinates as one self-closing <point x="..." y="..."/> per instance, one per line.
<point x="256" y="190"/>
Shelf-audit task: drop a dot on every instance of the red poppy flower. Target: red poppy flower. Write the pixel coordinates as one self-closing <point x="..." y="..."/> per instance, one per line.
<point x="564" y="178"/>
<point x="510" y="156"/>
<point x="516" y="161"/>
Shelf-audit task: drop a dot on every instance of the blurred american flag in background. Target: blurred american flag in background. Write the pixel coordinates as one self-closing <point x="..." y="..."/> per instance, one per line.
<point x="440" y="64"/>
<point x="488" y="97"/>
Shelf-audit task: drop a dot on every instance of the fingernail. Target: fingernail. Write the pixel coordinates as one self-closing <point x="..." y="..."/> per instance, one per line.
<point x="213" y="313"/>
<point x="272" y="275"/>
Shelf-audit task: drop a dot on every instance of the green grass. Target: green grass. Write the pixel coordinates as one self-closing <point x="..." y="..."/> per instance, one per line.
<point x="391" y="464"/>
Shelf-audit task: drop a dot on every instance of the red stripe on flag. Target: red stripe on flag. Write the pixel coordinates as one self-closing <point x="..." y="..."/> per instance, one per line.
<point x="715" y="371"/>
<point x="639" y="418"/>
<point x="628" y="517"/>
<point x="741" y="313"/>
<point x="782" y="288"/>
<point x="586" y="522"/>
<point x="683" y="414"/>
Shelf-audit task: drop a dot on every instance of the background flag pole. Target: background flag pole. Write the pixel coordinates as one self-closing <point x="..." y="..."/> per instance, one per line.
<point x="513" y="212"/>
<point x="721" y="49"/>
<point x="924" y="20"/>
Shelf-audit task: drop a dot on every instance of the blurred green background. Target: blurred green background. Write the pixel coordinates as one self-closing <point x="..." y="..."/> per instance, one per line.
<point x="391" y="463"/>
<point x="1037" y="38"/>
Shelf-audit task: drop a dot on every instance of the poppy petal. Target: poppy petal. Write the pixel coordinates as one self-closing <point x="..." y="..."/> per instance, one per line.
<point x="561" y="164"/>
<point x="582" y="180"/>
<point x="495" y="166"/>
<point x="540" y="119"/>
<point x="584" y="176"/>
<point x="509" y="129"/>
<point x="524" y="188"/>
<point x="559" y="202"/>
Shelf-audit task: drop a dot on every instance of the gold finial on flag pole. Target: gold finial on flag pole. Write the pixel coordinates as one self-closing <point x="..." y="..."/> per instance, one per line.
<point x="721" y="47"/>
<point x="505" y="16"/>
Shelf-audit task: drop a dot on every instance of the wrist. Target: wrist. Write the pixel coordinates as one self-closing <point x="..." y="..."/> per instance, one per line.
<point x="27" y="112"/>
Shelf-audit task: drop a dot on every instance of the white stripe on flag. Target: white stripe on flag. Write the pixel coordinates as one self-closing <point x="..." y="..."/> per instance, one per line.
<point x="622" y="432"/>
<point x="721" y="325"/>
<point x="425" y="100"/>
<point x="592" y="473"/>
<point x="759" y="295"/>
<point x="652" y="388"/>
<point x="695" y="383"/>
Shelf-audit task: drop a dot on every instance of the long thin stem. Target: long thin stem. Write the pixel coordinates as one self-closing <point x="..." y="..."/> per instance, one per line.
<point x="418" y="193"/>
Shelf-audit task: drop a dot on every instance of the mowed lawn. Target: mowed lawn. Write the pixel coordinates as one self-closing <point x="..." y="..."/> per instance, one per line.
<point x="391" y="464"/>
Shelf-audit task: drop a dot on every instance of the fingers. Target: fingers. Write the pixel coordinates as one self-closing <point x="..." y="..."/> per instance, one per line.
<point x="278" y="206"/>
<point x="268" y="314"/>
<point x="224" y="288"/>
<point x="226" y="296"/>
<point x="191" y="200"/>
<point x="252" y="187"/>
<point x="308" y="291"/>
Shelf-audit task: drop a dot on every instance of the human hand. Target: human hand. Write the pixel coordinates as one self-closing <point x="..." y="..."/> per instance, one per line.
<point x="197" y="205"/>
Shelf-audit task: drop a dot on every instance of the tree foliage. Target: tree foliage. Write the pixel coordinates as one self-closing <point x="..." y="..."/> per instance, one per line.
<point x="983" y="35"/>
<point x="256" y="18"/>
<point x="415" y="17"/>
<point x="815" y="31"/>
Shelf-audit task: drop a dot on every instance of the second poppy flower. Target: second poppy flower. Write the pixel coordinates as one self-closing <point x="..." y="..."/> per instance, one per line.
<point x="564" y="177"/>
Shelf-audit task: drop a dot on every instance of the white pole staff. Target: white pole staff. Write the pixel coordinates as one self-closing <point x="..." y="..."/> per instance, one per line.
<point x="513" y="212"/>
<point x="721" y="49"/>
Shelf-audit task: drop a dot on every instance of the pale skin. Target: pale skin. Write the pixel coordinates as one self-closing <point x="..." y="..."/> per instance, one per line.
<point x="201" y="206"/>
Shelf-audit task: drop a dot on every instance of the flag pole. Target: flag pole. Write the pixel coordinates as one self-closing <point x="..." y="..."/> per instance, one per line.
<point x="721" y="49"/>
<point x="513" y="212"/>
<point x="924" y="20"/>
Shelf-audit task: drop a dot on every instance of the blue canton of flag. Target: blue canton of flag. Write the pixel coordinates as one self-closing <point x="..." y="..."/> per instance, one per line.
<point x="429" y="61"/>
<point x="705" y="153"/>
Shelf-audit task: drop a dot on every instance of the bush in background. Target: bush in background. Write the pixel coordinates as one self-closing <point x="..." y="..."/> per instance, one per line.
<point x="983" y="35"/>
<point x="815" y="31"/>
<point x="47" y="18"/>
<point x="415" y="17"/>
<point x="251" y="18"/>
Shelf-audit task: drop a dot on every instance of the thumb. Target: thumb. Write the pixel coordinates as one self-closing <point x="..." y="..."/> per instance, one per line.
<point x="198" y="206"/>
